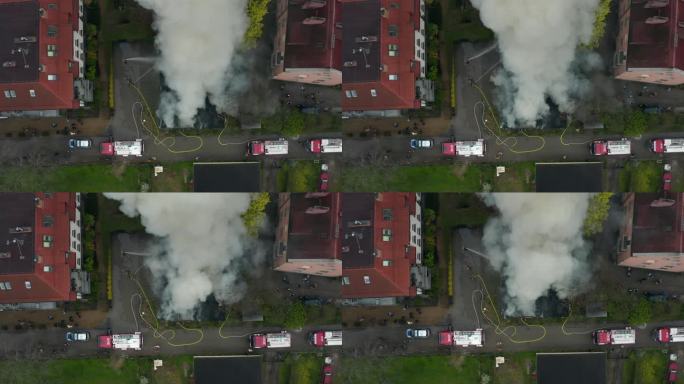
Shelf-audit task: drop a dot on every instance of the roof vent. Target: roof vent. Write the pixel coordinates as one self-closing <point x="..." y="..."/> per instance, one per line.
<point x="42" y="12"/>
<point x="314" y="4"/>
<point x="657" y="3"/>
<point x="384" y="12"/>
<point x="9" y="64"/>
<point x="350" y="63"/>
<point x="41" y="68"/>
<point x="314" y="20"/>
<point x="657" y="20"/>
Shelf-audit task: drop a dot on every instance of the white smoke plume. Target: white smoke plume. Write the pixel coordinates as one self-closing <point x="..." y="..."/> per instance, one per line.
<point x="538" y="40"/>
<point x="536" y="243"/>
<point x="197" y="40"/>
<point x="202" y="244"/>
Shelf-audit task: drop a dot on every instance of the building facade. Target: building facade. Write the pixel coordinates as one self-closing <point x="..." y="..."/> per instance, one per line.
<point x="648" y="47"/>
<point x="308" y="42"/>
<point x="40" y="250"/>
<point x="652" y="233"/>
<point x="42" y="56"/>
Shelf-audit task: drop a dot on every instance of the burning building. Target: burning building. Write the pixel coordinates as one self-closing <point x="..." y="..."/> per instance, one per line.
<point x="372" y="241"/>
<point x="40" y="250"/>
<point x="652" y="233"/>
<point x="42" y="59"/>
<point x="647" y="47"/>
<point x="308" y="42"/>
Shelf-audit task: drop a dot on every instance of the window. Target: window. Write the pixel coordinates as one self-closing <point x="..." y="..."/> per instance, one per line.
<point x="374" y="93"/>
<point x="52" y="6"/>
<point x="51" y="50"/>
<point x="10" y="94"/>
<point x="393" y="30"/>
<point x="387" y="214"/>
<point x="387" y="263"/>
<point x="47" y="241"/>
<point x="8" y="285"/>
<point x="73" y="232"/>
<point x="2" y="286"/>
<point x="413" y="227"/>
<point x="345" y="280"/>
<point x="32" y="92"/>
<point x="47" y="221"/>
<point x="52" y="77"/>
<point x="47" y="268"/>
<point x="394" y="77"/>
<point x="393" y="49"/>
<point x="351" y="93"/>
<point x="27" y="284"/>
<point x="418" y="42"/>
<point x="394" y="5"/>
<point x="366" y="279"/>
<point x="386" y="234"/>
<point x="52" y="30"/>
<point x="414" y="239"/>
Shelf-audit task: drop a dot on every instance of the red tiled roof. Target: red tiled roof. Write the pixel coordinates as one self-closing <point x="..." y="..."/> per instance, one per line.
<point x="657" y="230"/>
<point x="655" y="45"/>
<point x="50" y="94"/>
<point x="313" y="46"/>
<point x="393" y="280"/>
<point x="390" y="94"/>
<point x="313" y="235"/>
<point x="55" y="284"/>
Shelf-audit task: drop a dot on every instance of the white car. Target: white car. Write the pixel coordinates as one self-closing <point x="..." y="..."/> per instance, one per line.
<point x="421" y="143"/>
<point x="419" y="333"/>
<point x="80" y="143"/>
<point x="77" y="336"/>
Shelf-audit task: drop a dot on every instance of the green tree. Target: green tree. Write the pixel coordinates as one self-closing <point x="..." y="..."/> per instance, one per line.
<point x="296" y="316"/>
<point x="640" y="313"/>
<point x="294" y="123"/>
<point x="597" y="213"/>
<point x="602" y="12"/>
<point x="256" y="10"/>
<point x="253" y="217"/>
<point x="635" y="123"/>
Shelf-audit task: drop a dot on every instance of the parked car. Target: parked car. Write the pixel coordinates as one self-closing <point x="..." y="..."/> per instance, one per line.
<point x="325" y="178"/>
<point x="77" y="336"/>
<point x="667" y="181"/>
<point x="80" y="143"/>
<point x="672" y="372"/>
<point x="421" y="143"/>
<point x="327" y="371"/>
<point x="419" y="333"/>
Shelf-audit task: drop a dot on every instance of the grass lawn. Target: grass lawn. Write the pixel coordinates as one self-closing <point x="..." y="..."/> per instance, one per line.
<point x="298" y="176"/>
<point x="474" y="177"/>
<point x="116" y="177"/>
<point x="646" y="367"/>
<point x="176" y="370"/>
<point x="457" y="369"/>
<point x="462" y="23"/>
<point x="305" y="368"/>
<point x="642" y="176"/>
<point x="461" y="210"/>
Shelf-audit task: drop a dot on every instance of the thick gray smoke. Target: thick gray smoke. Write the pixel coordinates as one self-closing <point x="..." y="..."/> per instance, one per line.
<point x="202" y="244"/>
<point x="197" y="40"/>
<point x="536" y="243"/>
<point x="538" y="40"/>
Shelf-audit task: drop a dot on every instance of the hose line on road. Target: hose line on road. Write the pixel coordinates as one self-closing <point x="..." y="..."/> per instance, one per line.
<point x="167" y="142"/>
<point x="168" y="335"/>
<point x="499" y="140"/>
<point x="497" y="324"/>
<point x="225" y="126"/>
<point x="564" y="143"/>
<point x="566" y="333"/>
